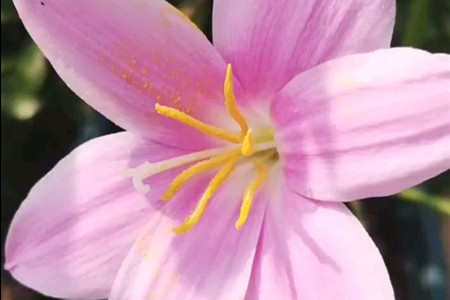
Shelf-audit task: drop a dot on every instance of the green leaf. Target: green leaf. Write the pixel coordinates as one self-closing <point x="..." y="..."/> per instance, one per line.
<point x="437" y="203"/>
<point x="418" y="24"/>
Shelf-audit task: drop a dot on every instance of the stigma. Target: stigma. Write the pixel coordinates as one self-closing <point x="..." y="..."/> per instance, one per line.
<point x="242" y="146"/>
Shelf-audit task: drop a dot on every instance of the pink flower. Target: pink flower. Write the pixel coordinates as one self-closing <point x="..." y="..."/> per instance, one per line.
<point x="308" y="129"/>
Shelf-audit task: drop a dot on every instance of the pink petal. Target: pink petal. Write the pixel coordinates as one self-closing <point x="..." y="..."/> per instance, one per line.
<point x="365" y="125"/>
<point x="212" y="261"/>
<point x="269" y="42"/>
<point x="122" y="57"/>
<point x="313" y="250"/>
<point x="72" y="232"/>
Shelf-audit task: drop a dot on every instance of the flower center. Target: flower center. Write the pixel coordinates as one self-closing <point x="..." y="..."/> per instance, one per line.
<point x="224" y="157"/>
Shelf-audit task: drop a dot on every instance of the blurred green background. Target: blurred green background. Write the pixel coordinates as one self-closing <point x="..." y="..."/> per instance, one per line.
<point x="42" y="120"/>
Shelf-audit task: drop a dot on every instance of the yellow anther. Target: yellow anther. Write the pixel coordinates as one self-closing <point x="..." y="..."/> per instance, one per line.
<point x="250" y="193"/>
<point x="247" y="144"/>
<point x="199" y="125"/>
<point x="213" y="186"/>
<point x="194" y="170"/>
<point x="230" y="102"/>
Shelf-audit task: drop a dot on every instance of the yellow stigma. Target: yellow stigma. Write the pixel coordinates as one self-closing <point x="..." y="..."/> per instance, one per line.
<point x="207" y="160"/>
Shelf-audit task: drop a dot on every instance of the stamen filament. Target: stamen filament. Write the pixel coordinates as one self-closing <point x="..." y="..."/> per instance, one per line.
<point x="213" y="186"/>
<point x="194" y="170"/>
<point x="247" y="144"/>
<point x="182" y="117"/>
<point x="250" y="193"/>
<point x="230" y="101"/>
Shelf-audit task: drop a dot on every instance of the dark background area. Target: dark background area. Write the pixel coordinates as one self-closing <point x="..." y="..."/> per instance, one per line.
<point x="42" y="120"/>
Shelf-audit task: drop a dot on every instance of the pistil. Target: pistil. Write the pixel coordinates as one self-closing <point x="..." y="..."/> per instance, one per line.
<point x="147" y="169"/>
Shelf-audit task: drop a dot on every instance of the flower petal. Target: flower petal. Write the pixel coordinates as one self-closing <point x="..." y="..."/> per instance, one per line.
<point x="72" y="232"/>
<point x="212" y="261"/>
<point x="365" y="125"/>
<point x="269" y="42"/>
<point x="122" y="57"/>
<point x="315" y="250"/>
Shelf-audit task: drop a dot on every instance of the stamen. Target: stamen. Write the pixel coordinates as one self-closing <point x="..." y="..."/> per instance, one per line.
<point x="230" y="101"/>
<point x="209" y="159"/>
<point x="247" y="144"/>
<point x="199" y="125"/>
<point x="213" y="186"/>
<point x="250" y="193"/>
<point x="194" y="170"/>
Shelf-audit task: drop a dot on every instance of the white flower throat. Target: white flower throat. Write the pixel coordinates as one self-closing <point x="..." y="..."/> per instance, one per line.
<point x="224" y="157"/>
